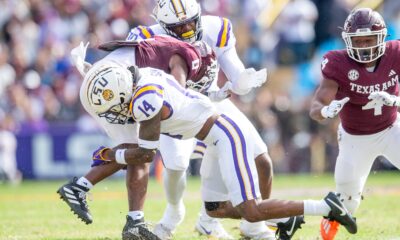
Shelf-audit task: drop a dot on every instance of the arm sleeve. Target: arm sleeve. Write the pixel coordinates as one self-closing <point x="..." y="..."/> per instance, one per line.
<point x="231" y="65"/>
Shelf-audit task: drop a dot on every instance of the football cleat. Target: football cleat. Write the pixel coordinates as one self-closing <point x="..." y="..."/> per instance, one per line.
<point x="137" y="230"/>
<point x="339" y="213"/>
<point x="256" y="231"/>
<point x="75" y="196"/>
<point x="211" y="228"/>
<point x="162" y="231"/>
<point x="286" y="230"/>
<point x="172" y="217"/>
<point x="328" y="229"/>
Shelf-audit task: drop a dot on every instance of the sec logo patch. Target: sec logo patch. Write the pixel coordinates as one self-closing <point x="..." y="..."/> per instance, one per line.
<point x="353" y="75"/>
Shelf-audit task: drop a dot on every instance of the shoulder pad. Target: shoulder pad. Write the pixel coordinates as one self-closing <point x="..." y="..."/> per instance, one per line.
<point x="329" y="64"/>
<point x="146" y="102"/>
<point x="219" y="31"/>
<point x="144" y="32"/>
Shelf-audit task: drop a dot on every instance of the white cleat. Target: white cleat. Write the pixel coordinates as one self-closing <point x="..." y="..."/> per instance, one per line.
<point x="173" y="216"/>
<point x="163" y="232"/>
<point x="256" y="231"/>
<point x="212" y="228"/>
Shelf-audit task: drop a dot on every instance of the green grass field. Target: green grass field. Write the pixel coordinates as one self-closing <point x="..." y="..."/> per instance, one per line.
<point x="33" y="210"/>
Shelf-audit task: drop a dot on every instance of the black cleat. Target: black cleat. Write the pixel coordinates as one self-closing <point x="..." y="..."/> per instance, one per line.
<point x="137" y="230"/>
<point x="287" y="229"/>
<point x="340" y="214"/>
<point x="75" y="196"/>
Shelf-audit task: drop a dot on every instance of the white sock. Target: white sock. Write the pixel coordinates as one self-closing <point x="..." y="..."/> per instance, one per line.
<point x="174" y="184"/>
<point x="316" y="208"/>
<point x="82" y="181"/>
<point x="136" y="214"/>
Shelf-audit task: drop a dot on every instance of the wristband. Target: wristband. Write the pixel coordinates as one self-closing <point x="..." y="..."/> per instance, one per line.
<point x="148" y="144"/>
<point x="120" y="156"/>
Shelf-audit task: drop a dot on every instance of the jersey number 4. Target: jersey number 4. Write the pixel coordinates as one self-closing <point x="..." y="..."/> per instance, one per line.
<point x="146" y="107"/>
<point x="374" y="104"/>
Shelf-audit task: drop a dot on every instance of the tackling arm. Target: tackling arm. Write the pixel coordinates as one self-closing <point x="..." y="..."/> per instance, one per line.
<point x="178" y="69"/>
<point x="149" y="133"/>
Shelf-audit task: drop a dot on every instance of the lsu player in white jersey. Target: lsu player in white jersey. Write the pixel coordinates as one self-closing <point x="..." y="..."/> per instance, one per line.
<point x="182" y="19"/>
<point x="161" y="106"/>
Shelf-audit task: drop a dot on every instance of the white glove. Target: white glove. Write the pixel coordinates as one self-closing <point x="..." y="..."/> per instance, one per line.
<point x="249" y="79"/>
<point x="385" y="98"/>
<point x="221" y="94"/>
<point x="78" y="55"/>
<point x="334" y="108"/>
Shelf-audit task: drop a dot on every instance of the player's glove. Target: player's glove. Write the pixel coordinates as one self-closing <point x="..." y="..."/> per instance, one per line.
<point x="78" y="55"/>
<point x="98" y="158"/>
<point x="221" y="94"/>
<point x="385" y="98"/>
<point x="333" y="109"/>
<point x="248" y="80"/>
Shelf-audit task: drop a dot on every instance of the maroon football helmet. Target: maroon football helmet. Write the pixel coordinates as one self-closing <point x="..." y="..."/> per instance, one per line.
<point x="208" y="71"/>
<point x="364" y="22"/>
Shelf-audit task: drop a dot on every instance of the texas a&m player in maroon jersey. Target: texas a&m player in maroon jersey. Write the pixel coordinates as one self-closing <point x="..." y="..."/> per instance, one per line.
<point x="361" y="85"/>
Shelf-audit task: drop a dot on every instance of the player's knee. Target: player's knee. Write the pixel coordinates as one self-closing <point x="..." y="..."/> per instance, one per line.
<point x="174" y="175"/>
<point x="351" y="202"/>
<point x="249" y="211"/>
<point x="217" y="209"/>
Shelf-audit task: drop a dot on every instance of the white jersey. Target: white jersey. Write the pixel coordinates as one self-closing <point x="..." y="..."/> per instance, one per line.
<point x="189" y="110"/>
<point x="217" y="32"/>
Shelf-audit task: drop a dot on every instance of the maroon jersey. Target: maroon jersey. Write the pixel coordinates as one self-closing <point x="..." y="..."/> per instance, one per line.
<point x="358" y="116"/>
<point x="157" y="52"/>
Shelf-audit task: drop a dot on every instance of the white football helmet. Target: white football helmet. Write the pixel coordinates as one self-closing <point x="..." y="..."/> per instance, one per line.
<point x="173" y="13"/>
<point x="109" y="88"/>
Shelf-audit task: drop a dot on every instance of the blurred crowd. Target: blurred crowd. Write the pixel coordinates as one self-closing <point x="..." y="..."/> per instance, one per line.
<point x="40" y="87"/>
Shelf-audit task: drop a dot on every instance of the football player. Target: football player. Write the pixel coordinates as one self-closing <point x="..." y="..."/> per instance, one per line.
<point x="182" y="19"/>
<point x="360" y="84"/>
<point x="161" y="106"/>
<point x="185" y="61"/>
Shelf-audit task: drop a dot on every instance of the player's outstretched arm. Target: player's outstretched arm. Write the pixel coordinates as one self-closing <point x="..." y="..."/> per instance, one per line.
<point x="323" y="104"/>
<point x="243" y="79"/>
